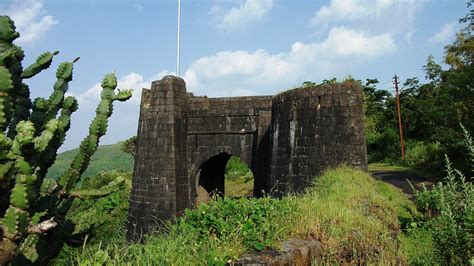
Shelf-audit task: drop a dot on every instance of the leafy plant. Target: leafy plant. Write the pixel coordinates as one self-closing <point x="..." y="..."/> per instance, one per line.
<point x="33" y="208"/>
<point x="422" y="155"/>
<point x="449" y="210"/>
<point x="102" y="219"/>
<point x="254" y="220"/>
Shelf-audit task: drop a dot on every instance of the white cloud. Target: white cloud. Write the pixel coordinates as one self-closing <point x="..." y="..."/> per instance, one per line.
<point x="30" y="19"/>
<point x="246" y="13"/>
<point x="138" y="7"/>
<point x="348" y="10"/>
<point x="408" y="36"/>
<point x="445" y="34"/>
<point x="132" y="81"/>
<point x="373" y="16"/>
<point x="231" y="73"/>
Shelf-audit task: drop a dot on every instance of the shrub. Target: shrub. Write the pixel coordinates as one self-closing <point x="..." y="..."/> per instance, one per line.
<point x="382" y="146"/>
<point x="423" y="155"/>
<point x="449" y="210"/>
<point x="102" y="220"/>
<point x="257" y="221"/>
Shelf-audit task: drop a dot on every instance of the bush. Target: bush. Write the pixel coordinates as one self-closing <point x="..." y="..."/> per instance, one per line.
<point x="383" y="146"/>
<point x="102" y="220"/>
<point x="423" y="155"/>
<point x="449" y="213"/>
<point x="257" y="221"/>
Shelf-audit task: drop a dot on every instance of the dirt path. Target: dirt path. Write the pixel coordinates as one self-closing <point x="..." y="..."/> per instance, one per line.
<point x="399" y="179"/>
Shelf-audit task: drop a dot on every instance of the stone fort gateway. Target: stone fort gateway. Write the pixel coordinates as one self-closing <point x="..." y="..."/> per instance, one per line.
<point x="184" y="141"/>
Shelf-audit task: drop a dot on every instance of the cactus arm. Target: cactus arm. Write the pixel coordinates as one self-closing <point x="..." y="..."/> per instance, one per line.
<point x="7" y="30"/>
<point x="6" y="55"/>
<point x="40" y="105"/>
<point x="64" y="122"/>
<point x="63" y="77"/>
<point x="41" y="142"/>
<point x="22" y="107"/>
<point x="11" y="57"/>
<point x="97" y="129"/>
<point x="28" y="247"/>
<point x="42" y="62"/>
<point x="5" y="145"/>
<point x="4" y="169"/>
<point x="6" y="85"/>
<point x="18" y="92"/>
<point x="16" y="220"/>
<point x="123" y="95"/>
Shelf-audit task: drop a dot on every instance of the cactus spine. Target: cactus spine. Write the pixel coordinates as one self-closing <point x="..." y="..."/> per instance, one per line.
<point x="30" y="205"/>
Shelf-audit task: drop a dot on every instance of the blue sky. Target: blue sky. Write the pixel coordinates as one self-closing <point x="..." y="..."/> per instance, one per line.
<point x="229" y="47"/>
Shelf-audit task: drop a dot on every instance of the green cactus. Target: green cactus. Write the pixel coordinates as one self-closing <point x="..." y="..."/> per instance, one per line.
<point x="31" y="206"/>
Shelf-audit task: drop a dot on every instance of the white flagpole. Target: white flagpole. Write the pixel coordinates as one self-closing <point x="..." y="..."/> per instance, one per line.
<point x="178" y="48"/>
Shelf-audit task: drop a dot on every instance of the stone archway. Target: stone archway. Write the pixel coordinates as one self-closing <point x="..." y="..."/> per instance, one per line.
<point x="287" y="140"/>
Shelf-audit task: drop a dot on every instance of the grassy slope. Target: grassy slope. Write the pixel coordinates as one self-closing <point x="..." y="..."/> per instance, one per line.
<point x="107" y="158"/>
<point x="355" y="217"/>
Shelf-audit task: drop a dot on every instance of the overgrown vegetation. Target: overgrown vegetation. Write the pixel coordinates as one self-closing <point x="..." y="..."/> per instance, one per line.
<point x="448" y="216"/>
<point x="33" y="208"/>
<point x="355" y="217"/>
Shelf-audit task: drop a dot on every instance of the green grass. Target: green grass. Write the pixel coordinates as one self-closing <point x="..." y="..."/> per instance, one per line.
<point x="387" y="167"/>
<point x="423" y="173"/>
<point x="106" y="158"/>
<point x="354" y="216"/>
<point x="238" y="178"/>
<point x="417" y="244"/>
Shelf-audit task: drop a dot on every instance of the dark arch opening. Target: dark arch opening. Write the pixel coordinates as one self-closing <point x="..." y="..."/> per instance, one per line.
<point x="212" y="175"/>
<point x="224" y="175"/>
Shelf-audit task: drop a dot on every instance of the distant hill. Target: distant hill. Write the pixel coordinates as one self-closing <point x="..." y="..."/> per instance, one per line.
<point x="106" y="158"/>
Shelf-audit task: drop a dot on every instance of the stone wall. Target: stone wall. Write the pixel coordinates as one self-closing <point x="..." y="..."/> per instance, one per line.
<point x="313" y="129"/>
<point x="185" y="141"/>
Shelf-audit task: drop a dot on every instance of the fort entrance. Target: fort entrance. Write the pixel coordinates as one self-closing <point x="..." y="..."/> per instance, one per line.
<point x="185" y="141"/>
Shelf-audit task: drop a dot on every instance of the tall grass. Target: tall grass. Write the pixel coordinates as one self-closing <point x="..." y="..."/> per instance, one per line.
<point x="354" y="216"/>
